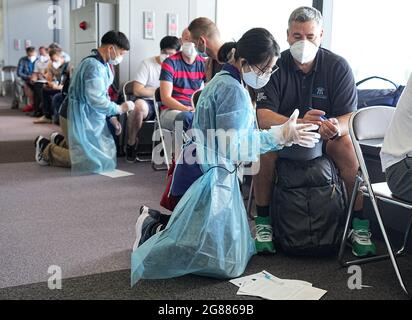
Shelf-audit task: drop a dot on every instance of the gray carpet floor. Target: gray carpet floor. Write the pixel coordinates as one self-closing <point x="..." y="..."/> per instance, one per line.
<point x="323" y="273"/>
<point x="17" y="134"/>
<point x="84" y="224"/>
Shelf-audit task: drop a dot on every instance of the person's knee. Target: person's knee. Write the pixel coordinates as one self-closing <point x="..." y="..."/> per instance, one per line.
<point x="186" y="118"/>
<point x="141" y="108"/>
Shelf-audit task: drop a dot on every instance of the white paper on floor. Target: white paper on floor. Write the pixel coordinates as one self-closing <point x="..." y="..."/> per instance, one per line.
<point x="269" y="287"/>
<point x="117" y="174"/>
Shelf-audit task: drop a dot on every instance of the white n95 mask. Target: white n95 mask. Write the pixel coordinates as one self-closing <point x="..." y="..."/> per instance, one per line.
<point x="255" y="81"/>
<point x="189" y="50"/>
<point x="304" y="51"/>
<point x="116" y="61"/>
<point x="56" y="64"/>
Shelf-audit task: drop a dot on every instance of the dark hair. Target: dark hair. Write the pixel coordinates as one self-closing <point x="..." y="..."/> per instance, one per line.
<point x="54" y="52"/>
<point x="170" y="42"/>
<point x="30" y="50"/>
<point x="54" y="45"/>
<point x="256" y="46"/>
<point x="116" y="38"/>
<point x="203" y="27"/>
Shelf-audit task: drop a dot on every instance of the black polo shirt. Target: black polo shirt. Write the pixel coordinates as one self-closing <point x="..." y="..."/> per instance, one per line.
<point x="329" y="87"/>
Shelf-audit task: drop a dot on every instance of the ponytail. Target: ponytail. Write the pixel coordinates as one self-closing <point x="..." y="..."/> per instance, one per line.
<point x="225" y="51"/>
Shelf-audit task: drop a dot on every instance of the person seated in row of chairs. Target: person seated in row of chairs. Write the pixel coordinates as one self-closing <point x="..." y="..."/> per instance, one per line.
<point x="56" y="75"/>
<point x="25" y="69"/>
<point x="182" y="74"/>
<point x="40" y="68"/>
<point x="396" y="154"/>
<point x="146" y="82"/>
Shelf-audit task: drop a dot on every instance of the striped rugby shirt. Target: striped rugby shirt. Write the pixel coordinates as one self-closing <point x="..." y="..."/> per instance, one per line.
<point x="186" y="78"/>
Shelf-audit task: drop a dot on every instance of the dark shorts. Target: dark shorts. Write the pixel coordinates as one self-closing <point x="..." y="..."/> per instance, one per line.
<point x="150" y="103"/>
<point x="399" y="178"/>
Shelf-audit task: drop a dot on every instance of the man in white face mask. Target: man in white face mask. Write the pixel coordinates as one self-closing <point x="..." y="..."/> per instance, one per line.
<point x="145" y="84"/>
<point x="92" y="147"/>
<point x="322" y="85"/>
<point x="181" y="75"/>
<point x="23" y="83"/>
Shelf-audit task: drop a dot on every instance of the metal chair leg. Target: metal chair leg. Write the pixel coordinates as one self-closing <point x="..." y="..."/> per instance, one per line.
<point x="348" y="220"/>
<point x="250" y="201"/>
<point x="406" y="238"/>
<point x="388" y="244"/>
<point x="391" y="255"/>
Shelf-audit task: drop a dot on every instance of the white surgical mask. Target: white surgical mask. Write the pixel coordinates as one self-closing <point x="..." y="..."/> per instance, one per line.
<point x="304" y="51"/>
<point x="32" y="58"/>
<point x="56" y="64"/>
<point x="163" y="57"/>
<point x="189" y="50"/>
<point x="255" y="81"/>
<point x="44" y="59"/>
<point x="117" y="60"/>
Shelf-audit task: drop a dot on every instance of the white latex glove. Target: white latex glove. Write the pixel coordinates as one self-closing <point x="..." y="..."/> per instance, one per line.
<point x="293" y="133"/>
<point x="126" y="107"/>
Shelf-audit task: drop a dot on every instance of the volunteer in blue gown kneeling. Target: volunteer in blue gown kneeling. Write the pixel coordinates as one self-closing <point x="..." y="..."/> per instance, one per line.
<point x="208" y="232"/>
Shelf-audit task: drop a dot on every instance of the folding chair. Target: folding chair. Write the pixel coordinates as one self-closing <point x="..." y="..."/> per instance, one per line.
<point x="368" y="126"/>
<point x="158" y="129"/>
<point x="11" y="70"/>
<point x="148" y="125"/>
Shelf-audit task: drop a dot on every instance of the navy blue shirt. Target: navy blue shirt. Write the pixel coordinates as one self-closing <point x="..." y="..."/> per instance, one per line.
<point x="25" y="68"/>
<point x="329" y="87"/>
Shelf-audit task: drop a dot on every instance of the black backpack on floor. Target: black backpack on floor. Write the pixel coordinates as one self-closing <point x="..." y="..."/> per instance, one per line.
<point x="309" y="205"/>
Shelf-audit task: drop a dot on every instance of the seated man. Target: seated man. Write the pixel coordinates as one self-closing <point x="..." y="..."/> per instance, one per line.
<point x="145" y="85"/>
<point x="42" y="63"/>
<point x="56" y="46"/>
<point x="25" y="69"/>
<point x="181" y="75"/>
<point x="396" y="154"/>
<point x="57" y="73"/>
<point x="320" y="84"/>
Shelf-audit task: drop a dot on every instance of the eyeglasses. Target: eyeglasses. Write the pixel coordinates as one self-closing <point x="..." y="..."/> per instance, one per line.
<point x="268" y="72"/>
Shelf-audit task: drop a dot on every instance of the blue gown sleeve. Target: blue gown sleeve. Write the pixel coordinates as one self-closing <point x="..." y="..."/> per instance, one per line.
<point x="235" y="115"/>
<point x="95" y="91"/>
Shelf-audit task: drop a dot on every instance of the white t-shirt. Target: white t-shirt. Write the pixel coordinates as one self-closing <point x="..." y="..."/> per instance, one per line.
<point x="398" y="143"/>
<point x="41" y="65"/>
<point x="148" y="73"/>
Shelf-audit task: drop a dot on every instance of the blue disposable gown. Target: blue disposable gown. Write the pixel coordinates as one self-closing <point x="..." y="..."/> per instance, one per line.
<point x="208" y="233"/>
<point x="92" y="148"/>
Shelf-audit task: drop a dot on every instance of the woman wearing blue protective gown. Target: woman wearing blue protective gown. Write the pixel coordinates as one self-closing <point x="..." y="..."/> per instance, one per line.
<point x="92" y="148"/>
<point x="208" y="232"/>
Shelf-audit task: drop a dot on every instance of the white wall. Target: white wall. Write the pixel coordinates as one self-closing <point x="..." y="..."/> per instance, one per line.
<point x="29" y="20"/>
<point x="131" y="23"/>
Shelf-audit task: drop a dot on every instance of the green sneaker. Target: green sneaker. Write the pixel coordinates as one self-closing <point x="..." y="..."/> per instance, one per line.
<point x="360" y="237"/>
<point x="264" y="236"/>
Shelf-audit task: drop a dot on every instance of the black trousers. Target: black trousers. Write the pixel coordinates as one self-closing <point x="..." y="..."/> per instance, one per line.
<point x="48" y="95"/>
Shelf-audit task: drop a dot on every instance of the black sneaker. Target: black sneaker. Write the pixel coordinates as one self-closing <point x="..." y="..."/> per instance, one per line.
<point x="131" y="153"/>
<point x="146" y="226"/>
<point x="56" y="138"/>
<point x="41" y="143"/>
